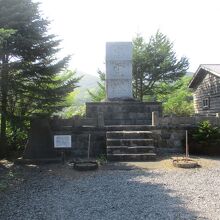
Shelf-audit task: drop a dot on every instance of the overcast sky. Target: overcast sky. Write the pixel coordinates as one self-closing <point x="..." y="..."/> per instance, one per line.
<point x="86" y="25"/>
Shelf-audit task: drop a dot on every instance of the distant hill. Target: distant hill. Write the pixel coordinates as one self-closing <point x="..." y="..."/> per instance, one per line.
<point x="88" y="82"/>
<point x="189" y="74"/>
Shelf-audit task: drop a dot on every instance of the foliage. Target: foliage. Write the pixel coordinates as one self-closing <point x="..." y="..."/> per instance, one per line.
<point x="99" y="93"/>
<point x="80" y="110"/>
<point x="74" y="106"/>
<point x="102" y="159"/>
<point x="206" y="132"/>
<point x="73" y="110"/>
<point x="155" y="62"/>
<point x="176" y="97"/>
<point x="17" y="135"/>
<point x="30" y="81"/>
<point x="4" y="35"/>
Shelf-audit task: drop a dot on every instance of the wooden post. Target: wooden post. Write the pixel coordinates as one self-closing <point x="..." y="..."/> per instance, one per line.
<point x="187" y="146"/>
<point x="217" y="118"/>
<point x="154" y="118"/>
<point x="89" y="145"/>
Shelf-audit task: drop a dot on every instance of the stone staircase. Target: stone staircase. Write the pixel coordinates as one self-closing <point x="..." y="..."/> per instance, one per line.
<point x="130" y="145"/>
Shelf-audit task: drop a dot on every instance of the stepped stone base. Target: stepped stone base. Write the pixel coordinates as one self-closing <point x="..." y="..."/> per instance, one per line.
<point x="127" y="145"/>
<point x="123" y="112"/>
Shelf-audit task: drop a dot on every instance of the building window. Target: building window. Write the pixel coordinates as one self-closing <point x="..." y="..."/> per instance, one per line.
<point x="205" y="103"/>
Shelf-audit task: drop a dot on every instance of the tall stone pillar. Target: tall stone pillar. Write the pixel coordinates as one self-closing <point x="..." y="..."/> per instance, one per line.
<point x="119" y="71"/>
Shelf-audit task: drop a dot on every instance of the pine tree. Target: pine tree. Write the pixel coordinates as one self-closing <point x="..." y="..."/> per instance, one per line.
<point x="99" y="94"/>
<point x="30" y="81"/>
<point x="155" y="62"/>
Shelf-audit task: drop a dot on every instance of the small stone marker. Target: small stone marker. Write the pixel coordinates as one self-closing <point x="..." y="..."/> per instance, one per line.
<point x="62" y="141"/>
<point x="119" y="71"/>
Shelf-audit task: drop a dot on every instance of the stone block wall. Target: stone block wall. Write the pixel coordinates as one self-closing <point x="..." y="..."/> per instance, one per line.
<point x="170" y="139"/>
<point x="123" y="112"/>
<point x="40" y="142"/>
<point x="192" y="120"/>
<point x="169" y="134"/>
<point x="80" y="143"/>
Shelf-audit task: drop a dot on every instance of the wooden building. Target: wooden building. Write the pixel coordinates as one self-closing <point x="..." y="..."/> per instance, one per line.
<point x="205" y="85"/>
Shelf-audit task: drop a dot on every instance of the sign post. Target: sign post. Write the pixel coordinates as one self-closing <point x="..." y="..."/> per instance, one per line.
<point x="62" y="142"/>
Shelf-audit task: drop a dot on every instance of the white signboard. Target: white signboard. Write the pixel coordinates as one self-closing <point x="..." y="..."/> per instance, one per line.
<point x="62" y="141"/>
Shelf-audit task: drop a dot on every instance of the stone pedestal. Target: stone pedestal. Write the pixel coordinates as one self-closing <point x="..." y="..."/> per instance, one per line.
<point x="120" y="108"/>
<point x="124" y="112"/>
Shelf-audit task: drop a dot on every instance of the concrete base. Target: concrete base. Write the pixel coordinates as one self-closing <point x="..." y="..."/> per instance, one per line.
<point x="124" y="112"/>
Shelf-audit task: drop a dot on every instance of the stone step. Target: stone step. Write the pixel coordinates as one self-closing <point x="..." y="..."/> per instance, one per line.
<point x="140" y="121"/>
<point x="130" y="150"/>
<point x="129" y="142"/>
<point x="128" y="134"/>
<point x="129" y="127"/>
<point x="128" y="115"/>
<point x="132" y="157"/>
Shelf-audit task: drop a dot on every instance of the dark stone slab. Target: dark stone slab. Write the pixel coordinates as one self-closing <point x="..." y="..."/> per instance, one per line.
<point x="40" y="141"/>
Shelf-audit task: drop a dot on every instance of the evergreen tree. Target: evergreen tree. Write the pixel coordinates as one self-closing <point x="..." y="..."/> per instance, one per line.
<point x="139" y="66"/>
<point x="100" y="92"/>
<point x="29" y="68"/>
<point x="4" y="36"/>
<point x="155" y="62"/>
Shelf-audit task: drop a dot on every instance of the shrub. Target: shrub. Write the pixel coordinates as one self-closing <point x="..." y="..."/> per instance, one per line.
<point x="17" y="138"/>
<point x="206" y="132"/>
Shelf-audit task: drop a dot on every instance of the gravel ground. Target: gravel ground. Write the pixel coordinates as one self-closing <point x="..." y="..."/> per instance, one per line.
<point x="115" y="194"/>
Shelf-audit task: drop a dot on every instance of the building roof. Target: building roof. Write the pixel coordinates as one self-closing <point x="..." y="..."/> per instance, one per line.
<point x="201" y="72"/>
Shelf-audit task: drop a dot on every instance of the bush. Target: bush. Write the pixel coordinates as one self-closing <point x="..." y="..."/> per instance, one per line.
<point x="17" y="138"/>
<point x="206" y="132"/>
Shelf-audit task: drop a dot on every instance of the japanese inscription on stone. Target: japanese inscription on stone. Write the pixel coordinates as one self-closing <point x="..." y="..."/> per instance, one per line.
<point x="119" y="70"/>
<point x="62" y="141"/>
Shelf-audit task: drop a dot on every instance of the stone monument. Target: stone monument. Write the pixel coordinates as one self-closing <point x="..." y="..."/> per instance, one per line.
<point x="120" y="108"/>
<point x="119" y="71"/>
<point x="118" y="111"/>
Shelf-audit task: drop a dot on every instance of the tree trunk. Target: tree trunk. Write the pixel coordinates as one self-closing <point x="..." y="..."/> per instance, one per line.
<point x="136" y="87"/>
<point x="3" y="139"/>
<point x="141" y="89"/>
<point x="4" y="81"/>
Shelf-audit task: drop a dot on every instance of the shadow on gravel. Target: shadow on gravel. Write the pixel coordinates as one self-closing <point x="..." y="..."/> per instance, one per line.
<point x="107" y="194"/>
<point x="156" y="200"/>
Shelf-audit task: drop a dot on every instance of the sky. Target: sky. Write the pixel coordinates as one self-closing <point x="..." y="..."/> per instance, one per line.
<point x="86" y="25"/>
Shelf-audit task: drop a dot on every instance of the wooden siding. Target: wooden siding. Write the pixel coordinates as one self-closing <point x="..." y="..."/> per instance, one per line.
<point x="209" y="89"/>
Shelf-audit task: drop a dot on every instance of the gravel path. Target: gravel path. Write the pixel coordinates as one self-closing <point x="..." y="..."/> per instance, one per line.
<point x="116" y="194"/>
